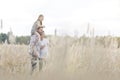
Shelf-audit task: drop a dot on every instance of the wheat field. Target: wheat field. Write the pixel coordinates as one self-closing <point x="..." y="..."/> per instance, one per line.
<point x="69" y="59"/>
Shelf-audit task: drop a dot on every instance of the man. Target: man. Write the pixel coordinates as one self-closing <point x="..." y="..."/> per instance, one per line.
<point x="43" y="50"/>
<point x="44" y="46"/>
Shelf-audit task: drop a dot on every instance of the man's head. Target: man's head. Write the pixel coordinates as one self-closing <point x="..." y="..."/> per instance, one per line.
<point x="42" y="35"/>
<point x="40" y="30"/>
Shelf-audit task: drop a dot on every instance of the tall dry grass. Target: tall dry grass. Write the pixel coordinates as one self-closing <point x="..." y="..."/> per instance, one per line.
<point x="69" y="59"/>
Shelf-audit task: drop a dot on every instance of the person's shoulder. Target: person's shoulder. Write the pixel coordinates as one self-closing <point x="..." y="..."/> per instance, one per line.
<point x="35" y="23"/>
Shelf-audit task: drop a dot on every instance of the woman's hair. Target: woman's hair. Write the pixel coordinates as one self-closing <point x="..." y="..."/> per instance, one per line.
<point x="39" y="17"/>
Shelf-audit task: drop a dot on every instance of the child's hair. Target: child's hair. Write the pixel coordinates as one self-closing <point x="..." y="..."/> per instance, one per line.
<point x="39" y="17"/>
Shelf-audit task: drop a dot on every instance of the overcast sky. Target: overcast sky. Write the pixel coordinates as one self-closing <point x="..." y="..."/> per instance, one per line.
<point x="67" y="16"/>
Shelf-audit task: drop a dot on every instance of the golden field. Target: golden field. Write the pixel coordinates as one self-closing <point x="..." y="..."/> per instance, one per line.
<point x="69" y="59"/>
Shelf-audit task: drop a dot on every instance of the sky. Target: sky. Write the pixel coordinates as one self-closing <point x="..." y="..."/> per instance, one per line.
<point x="66" y="16"/>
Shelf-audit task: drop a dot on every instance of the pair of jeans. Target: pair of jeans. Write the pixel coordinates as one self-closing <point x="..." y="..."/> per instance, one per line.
<point x="34" y="61"/>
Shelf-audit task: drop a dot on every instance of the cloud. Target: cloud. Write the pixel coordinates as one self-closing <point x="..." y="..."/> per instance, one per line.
<point x="66" y="15"/>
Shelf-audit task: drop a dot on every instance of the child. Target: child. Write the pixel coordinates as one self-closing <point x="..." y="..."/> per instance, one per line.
<point x="37" y="24"/>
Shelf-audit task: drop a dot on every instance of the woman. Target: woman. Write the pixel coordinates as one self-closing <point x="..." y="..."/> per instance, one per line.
<point x="38" y="23"/>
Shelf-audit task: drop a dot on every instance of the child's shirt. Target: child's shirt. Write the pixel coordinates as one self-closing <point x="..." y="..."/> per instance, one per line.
<point x="34" y="27"/>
